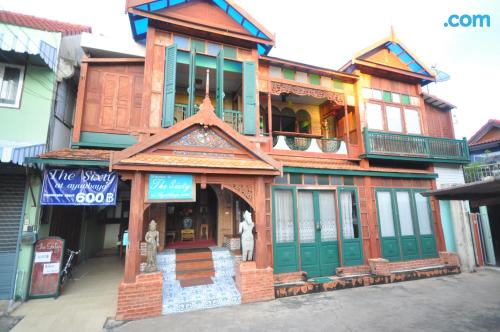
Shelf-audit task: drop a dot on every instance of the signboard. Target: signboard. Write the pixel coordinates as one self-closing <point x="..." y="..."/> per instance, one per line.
<point x="62" y="186"/>
<point x="171" y="188"/>
<point x="47" y="263"/>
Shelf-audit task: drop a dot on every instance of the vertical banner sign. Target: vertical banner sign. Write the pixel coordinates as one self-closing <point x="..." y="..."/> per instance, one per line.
<point x="171" y="188"/>
<point x="62" y="186"/>
<point x="47" y="265"/>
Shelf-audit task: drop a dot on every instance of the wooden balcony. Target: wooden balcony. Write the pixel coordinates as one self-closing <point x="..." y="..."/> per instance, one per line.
<point x="384" y="145"/>
<point x="288" y="141"/>
<point x="231" y="117"/>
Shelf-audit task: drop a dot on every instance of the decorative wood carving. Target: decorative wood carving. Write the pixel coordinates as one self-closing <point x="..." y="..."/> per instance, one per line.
<point x="203" y="137"/>
<point x="278" y="88"/>
<point x="245" y="191"/>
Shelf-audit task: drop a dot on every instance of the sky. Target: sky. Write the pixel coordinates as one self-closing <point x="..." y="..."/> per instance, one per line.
<point x="329" y="33"/>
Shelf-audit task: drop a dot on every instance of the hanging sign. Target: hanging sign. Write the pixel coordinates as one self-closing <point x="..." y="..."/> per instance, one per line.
<point x="46" y="268"/>
<point x="171" y="188"/>
<point x="62" y="186"/>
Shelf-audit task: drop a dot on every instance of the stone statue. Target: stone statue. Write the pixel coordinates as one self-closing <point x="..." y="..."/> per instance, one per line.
<point x="152" y="240"/>
<point x="246" y="227"/>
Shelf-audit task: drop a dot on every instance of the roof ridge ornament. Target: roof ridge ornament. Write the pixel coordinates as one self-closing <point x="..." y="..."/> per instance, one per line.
<point x="206" y="105"/>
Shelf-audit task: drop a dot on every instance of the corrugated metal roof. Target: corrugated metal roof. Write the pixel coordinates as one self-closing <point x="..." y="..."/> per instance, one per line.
<point x="16" y="152"/>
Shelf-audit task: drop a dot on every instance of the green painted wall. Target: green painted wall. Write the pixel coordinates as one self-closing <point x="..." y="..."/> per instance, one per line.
<point x="30" y="122"/>
<point x="31" y="217"/>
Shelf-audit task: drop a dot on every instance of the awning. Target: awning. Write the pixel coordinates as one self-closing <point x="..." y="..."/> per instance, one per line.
<point x="16" y="152"/>
<point x="481" y="191"/>
<point x="73" y="157"/>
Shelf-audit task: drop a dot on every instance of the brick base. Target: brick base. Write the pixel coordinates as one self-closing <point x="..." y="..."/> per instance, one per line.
<point x="379" y="266"/>
<point x="283" y="278"/>
<point x="140" y="299"/>
<point x="449" y="258"/>
<point x="254" y="284"/>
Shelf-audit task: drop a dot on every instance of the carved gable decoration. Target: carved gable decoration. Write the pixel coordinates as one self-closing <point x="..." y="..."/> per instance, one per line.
<point x="384" y="56"/>
<point x="205" y="138"/>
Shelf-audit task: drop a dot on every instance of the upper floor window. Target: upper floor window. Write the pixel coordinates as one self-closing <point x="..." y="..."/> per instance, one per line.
<point x="393" y="118"/>
<point x="11" y="83"/>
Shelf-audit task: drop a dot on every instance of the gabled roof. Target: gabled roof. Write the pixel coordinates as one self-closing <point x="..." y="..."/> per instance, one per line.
<point x="140" y="10"/>
<point x="437" y="102"/>
<point x="475" y="139"/>
<point x="201" y="143"/>
<point x="407" y="61"/>
<point x="39" y="23"/>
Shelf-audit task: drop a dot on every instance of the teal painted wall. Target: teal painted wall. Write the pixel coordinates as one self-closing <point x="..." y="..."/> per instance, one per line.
<point x="31" y="217"/>
<point x="447" y="224"/>
<point x="30" y="122"/>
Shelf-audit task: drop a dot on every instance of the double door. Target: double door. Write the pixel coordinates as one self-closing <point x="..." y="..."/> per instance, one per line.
<point x="406" y="226"/>
<point x="318" y="239"/>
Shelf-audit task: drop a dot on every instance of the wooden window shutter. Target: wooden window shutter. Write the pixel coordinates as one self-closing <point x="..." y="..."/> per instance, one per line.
<point x="219" y="104"/>
<point x="169" y="86"/>
<point x="249" y="98"/>
<point x="191" y="84"/>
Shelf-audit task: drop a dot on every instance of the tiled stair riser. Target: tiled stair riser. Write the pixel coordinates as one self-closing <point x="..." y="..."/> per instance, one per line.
<point x="222" y="292"/>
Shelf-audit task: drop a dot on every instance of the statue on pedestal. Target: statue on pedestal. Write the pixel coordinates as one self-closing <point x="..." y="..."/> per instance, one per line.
<point x="246" y="228"/>
<point x="152" y="240"/>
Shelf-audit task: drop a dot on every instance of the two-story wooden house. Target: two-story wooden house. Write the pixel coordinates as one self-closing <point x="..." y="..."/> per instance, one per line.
<point x="330" y="163"/>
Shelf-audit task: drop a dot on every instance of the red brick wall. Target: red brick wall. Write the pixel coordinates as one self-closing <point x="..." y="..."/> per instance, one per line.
<point x="283" y="278"/>
<point x="254" y="284"/>
<point x="140" y="299"/>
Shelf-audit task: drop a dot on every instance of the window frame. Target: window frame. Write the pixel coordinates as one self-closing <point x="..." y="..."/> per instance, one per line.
<point x="385" y="122"/>
<point x="22" y="71"/>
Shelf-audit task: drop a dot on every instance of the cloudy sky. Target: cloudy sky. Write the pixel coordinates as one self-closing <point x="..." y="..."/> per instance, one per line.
<point x="328" y="33"/>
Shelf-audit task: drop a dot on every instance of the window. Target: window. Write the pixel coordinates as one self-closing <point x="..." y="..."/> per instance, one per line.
<point x="304" y="122"/>
<point x="300" y="76"/>
<point x="275" y="71"/>
<point x="182" y="42"/>
<point x="198" y="45"/>
<point x="284" y="216"/>
<point x="376" y="94"/>
<point x="309" y="179"/>
<point x="412" y="120"/>
<point x="295" y="178"/>
<point x="305" y="214"/>
<point x="229" y="52"/>
<point x="288" y="74"/>
<point x="314" y="79"/>
<point x="385" y="214"/>
<point x="396" y="98"/>
<point x="213" y="49"/>
<point x="424" y="222"/>
<point x="11" y="80"/>
<point x="404" y="212"/>
<point x="323" y="180"/>
<point x="374" y="116"/>
<point x="387" y="96"/>
<point x="393" y="118"/>
<point x="350" y="226"/>
<point x="328" y="215"/>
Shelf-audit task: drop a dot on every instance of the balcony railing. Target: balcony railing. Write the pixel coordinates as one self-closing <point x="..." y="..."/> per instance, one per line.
<point x="415" y="147"/>
<point x="479" y="172"/>
<point x="307" y="143"/>
<point x="231" y="117"/>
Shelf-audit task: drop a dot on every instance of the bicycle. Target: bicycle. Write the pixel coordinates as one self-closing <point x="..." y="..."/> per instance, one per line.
<point x="66" y="272"/>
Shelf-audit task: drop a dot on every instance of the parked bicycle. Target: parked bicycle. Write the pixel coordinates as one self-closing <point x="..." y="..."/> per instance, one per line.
<point x="66" y="272"/>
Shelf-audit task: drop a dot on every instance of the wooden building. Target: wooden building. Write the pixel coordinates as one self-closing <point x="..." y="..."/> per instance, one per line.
<point x="331" y="163"/>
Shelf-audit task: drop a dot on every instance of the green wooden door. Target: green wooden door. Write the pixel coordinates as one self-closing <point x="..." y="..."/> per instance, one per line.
<point x="316" y="218"/>
<point x="285" y="251"/>
<point x="352" y="245"/>
<point x="425" y="225"/>
<point x="406" y="225"/>
<point x="389" y="237"/>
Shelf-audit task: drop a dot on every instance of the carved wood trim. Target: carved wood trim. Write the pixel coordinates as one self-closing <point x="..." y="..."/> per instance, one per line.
<point x="245" y="191"/>
<point x="278" y="88"/>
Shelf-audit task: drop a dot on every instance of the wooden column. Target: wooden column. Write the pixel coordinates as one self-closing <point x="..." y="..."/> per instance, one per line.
<point x="269" y="112"/>
<point x="135" y="224"/>
<point x="260" y="223"/>
<point x="346" y="122"/>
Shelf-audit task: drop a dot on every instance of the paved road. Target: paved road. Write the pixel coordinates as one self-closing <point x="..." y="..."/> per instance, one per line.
<point x="465" y="302"/>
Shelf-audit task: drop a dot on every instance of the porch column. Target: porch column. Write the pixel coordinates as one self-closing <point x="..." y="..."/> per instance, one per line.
<point x="135" y="225"/>
<point x="260" y="223"/>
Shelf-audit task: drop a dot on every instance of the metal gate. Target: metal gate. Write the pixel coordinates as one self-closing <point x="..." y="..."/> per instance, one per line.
<point x="12" y="189"/>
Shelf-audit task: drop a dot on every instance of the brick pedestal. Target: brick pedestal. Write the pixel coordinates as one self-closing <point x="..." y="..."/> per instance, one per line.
<point x="254" y="284"/>
<point x="379" y="266"/>
<point x="449" y="258"/>
<point x="140" y="299"/>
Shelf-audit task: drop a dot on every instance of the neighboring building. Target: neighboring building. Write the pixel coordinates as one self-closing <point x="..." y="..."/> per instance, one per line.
<point x="484" y="145"/>
<point x="331" y="163"/>
<point x="38" y="82"/>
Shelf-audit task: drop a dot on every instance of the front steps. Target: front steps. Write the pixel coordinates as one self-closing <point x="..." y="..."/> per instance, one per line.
<point x="190" y="269"/>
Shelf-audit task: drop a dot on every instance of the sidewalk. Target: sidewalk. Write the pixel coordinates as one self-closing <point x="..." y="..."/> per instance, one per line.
<point x="86" y="303"/>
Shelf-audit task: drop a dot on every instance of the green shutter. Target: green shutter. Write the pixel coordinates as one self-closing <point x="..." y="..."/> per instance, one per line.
<point x="289" y="74"/>
<point x="191" y="90"/>
<point x="387" y="96"/>
<point x="405" y="99"/>
<point x="314" y="79"/>
<point x="219" y="104"/>
<point x="249" y="98"/>
<point x="169" y="86"/>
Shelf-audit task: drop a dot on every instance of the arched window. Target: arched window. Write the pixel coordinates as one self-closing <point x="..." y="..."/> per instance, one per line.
<point x="287" y="120"/>
<point x="303" y="122"/>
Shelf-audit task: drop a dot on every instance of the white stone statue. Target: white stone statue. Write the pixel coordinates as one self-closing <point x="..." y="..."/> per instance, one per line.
<point x="152" y="240"/>
<point x="246" y="228"/>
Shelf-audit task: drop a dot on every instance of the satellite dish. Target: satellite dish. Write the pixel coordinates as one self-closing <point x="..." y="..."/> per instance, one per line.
<point x="441" y="76"/>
